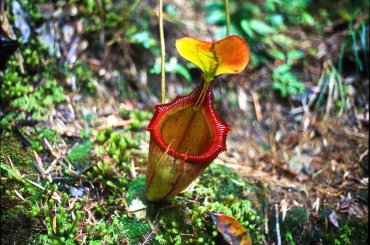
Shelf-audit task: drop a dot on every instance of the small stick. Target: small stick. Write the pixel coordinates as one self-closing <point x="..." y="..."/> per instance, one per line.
<point x="163" y="52"/>
<point x="35" y="184"/>
<point x="330" y="95"/>
<point x="18" y="194"/>
<point x="363" y="155"/>
<point x="277" y="164"/>
<point x="277" y="225"/>
<point x="257" y="106"/>
<point x="227" y="13"/>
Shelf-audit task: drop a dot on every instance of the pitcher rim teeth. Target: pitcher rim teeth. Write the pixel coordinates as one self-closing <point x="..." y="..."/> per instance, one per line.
<point x="219" y="129"/>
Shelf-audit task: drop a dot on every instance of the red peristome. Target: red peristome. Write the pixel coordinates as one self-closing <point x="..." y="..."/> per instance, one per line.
<point x="218" y="128"/>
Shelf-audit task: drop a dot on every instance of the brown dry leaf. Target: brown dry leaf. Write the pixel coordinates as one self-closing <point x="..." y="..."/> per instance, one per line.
<point x="55" y="224"/>
<point x="56" y="197"/>
<point x="231" y="229"/>
<point x="333" y="218"/>
<point x="284" y="207"/>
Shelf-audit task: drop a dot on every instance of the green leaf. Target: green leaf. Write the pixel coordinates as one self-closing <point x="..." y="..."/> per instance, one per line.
<point x="279" y="86"/>
<point x="261" y="27"/>
<point x="276" y="19"/>
<point x="246" y="28"/>
<point x="181" y="70"/>
<point x="144" y="39"/>
<point x="277" y="54"/>
<point x="308" y="19"/>
<point x="216" y="16"/>
<point x="283" y="40"/>
<point x="283" y="68"/>
<point x="294" y="55"/>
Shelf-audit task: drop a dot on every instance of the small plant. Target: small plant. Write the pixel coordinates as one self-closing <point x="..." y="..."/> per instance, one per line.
<point x="171" y="66"/>
<point x="289" y="238"/>
<point x="79" y="156"/>
<point x="61" y="222"/>
<point x="286" y="82"/>
<point x="346" y="234"/>
<point x="187" y="134"/>
<point x="265" y="27"/>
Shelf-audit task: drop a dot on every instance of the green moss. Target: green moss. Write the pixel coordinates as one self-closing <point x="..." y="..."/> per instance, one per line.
<point x="228" y="194"/>
<point x="119" y="150"/>
<point x="137" y="189"/>
<point x="61" y="218"/>
<point x="292" y="228"/>
<point x="20" y="93"/>
<point x="121" y="230"/>
<point x="220" y="183"/>
<point x="38" y="135"/>
<point x="17" y="222"/>
<point x="49" y="134"/>
<point x="135" y="229"/>
<point x="79" y="156"/>
<point x="183" y="222"/>
<point x="351" y="230"/>
<point x="13" y="149"/>
<point x="140" y="118"/>
<point x="122" y="148"/>
<point x="298" y="229"/>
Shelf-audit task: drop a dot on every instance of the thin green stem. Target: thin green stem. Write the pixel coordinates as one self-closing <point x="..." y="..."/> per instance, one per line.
<point x="227" y="13"/>
<point x="163" y="52"/>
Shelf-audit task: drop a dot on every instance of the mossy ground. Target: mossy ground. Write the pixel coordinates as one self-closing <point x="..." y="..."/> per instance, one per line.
<point x="93" y="112"/>
<point x="182" y="220"/>
<point x="16" y="194"/>
<point x="176" y="221"/>
<point x="297" y="228"/>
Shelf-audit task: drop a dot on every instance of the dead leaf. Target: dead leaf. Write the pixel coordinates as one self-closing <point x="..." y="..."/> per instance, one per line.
<point x="138" y="208"/>
<point x="284" y="206"/>
<point x="231" y="229"/>
<point x="334" y="219"/>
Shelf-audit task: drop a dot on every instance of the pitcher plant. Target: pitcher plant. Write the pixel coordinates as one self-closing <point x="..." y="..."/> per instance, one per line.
<point x="187" y="134"/>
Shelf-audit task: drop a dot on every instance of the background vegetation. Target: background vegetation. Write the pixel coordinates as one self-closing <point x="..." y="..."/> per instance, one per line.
<point x="77" y="96"/>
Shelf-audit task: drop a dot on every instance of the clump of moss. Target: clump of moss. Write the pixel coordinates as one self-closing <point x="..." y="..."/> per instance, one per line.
<point x="79" y="156"/>
<point x="119" y="151"/>
<point x="137" y="189"/>
<point x="16" y="193"/>
<point x="61" y="228"/>
<point x="228" y="194"/>
<point x="351" y="230"/>
<point x="15" y="221"/>
<point x="13" y="149"/>
<point x="135" y="229"/>
<point x="122" y="146"/>
<point x="174" y="221"/>
<point x="140" y="118"/>
<point x="23" y="92"/>
<point x="114" y="171"/>
<point x="292" y="227"/>
<point x="37" y="136"/>
<point x="297" y="228"/>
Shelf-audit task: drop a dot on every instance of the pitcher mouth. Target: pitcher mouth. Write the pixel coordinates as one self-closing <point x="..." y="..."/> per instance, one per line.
<point x="206" y="127"/>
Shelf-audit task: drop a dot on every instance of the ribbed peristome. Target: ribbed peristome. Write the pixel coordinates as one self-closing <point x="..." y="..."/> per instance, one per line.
<point x="185" y="136"/>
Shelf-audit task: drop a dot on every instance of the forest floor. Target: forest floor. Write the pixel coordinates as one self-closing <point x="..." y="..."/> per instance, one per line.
<point x="315" y="158"/>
